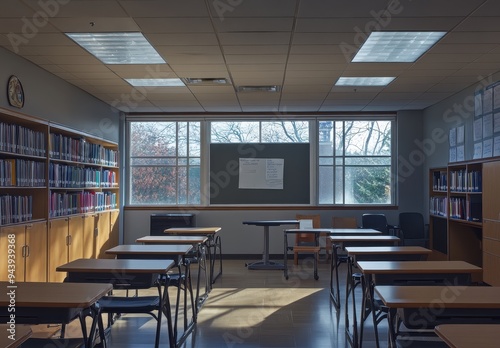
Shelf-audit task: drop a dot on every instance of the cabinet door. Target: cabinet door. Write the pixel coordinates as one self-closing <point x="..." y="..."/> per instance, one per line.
<point x="114" y="230"/>
<point x="58" y="249"/>
<point x="36" y="252"/>
<point x="19" y="241"/>
<point x="75" y="238"/>
<point x="103" y="231"/>
<point x="491" y="192"/>
<point x="491" y="252"/>
<point x="89" y="236"/>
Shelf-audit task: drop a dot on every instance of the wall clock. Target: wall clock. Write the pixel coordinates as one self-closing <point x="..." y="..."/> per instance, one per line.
<point x="15" y="93"/>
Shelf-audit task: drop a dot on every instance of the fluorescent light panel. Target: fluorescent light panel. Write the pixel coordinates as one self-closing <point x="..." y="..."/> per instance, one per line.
<point x="364" y="81"/>
<point x="118" y="48"/>
<point x="172" y="82"/>
<point x="273" y="88"/>
<point x="396" y="46"/>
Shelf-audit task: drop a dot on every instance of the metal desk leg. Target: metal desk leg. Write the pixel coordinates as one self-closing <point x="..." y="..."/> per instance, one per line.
<point x="202" y="266"/>
<point x="285" y="257"/>
<point x="265" y="263"/>
<point x="334" y="278"/>
<point x="351" y="284"/>
<point x="214" y="244"/>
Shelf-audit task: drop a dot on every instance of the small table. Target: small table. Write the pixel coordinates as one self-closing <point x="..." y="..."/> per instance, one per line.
<point x="353" y="236"/>
<point x="200" y="242"/>
<point x="55" y="303"/>
<point x="21" y="334"/>
<point x="466" y="299"/>
<point x="265" y="263"/>
<point x="177" y="253"/>
<point x="119" y="271"/>
<point x="213" y="244"/>
<point x="469" y="335"/>
<point x="372" y="253"/>
<point x="316" y="232"/>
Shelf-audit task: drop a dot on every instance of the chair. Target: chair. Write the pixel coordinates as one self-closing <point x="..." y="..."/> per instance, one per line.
<point x="344" y="222"/>
<point x="305" y="242"/>
<point x="377" y="222"/>
<point x="412" y="229"/>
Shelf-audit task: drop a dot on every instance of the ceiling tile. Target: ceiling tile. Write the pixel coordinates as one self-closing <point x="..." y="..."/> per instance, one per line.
<point x="238" y="25"/>
<point x="255" y="8"/>
<point x="175" y="25"/>
<point x="275" y="38"/>
<point x="167" y="8"/>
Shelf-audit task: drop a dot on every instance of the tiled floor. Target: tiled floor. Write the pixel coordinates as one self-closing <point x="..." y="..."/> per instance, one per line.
<point x="256" y="308"/>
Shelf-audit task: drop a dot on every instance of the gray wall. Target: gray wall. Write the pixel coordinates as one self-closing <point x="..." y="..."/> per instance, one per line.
<point x="50" y="98"/>
<point x="455" y="111"/>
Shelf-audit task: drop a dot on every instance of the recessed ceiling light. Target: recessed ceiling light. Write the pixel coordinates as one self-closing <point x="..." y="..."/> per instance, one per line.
<point x="396" y="46"/>
<point x="273" y="88"/>
<point x="205" y="81"/>
<point x="364" y="81"/>
<point x="172" y="82"/>
<point x="118" y="48"/>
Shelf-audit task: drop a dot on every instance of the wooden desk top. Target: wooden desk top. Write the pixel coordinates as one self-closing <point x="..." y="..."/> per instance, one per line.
<point x="439" y="296"/>
<point x="157" y="249"/>
<point x="357" y="238"/>
<point x="335" y="231"/>
<point x="172" y="239"/>
<point x="61" y="295"/>
<point x="23" y="332"/>
<point x="271" y="222"/>
<point x="408" y="267"/>
<point x="117" y="265"/>
<point x="469" y="335"/>
<point x="192" y="230"/>
<point x="376" y="250"/>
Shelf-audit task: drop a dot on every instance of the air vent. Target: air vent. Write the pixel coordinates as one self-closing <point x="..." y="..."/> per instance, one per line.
<point x="205" y="81"/>
<point x="273" y="88"/>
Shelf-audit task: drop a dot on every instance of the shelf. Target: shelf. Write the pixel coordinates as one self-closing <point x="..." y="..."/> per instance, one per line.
<point x="438" y="216"/>
<point x="467" y="222"/>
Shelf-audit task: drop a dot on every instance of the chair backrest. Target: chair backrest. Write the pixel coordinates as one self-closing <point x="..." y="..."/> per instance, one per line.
<point x="412" y="225"/>
<point x="307" y="237"/>
<point x="376" y="221"/>
<point x="344" y="222"/>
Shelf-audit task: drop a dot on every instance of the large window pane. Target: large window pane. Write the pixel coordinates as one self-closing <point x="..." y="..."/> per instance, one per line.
<point x="162" y="157"/>
<point x="285" y="132"/>
<point x="361" y="161"/>
<point x="234" y="132"/>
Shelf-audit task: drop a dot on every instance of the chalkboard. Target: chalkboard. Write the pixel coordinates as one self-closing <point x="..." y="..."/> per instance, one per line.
<point x="224" y="173"/>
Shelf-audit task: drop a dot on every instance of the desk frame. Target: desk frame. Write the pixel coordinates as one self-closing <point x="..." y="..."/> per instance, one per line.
<point x="265" y="263"/>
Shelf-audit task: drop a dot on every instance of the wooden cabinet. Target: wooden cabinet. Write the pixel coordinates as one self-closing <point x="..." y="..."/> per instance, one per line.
<point x="89" y="236"/>
<point x="30" y="241"/>
<point x="107" y="233"/>
<point x="491" y="224"/>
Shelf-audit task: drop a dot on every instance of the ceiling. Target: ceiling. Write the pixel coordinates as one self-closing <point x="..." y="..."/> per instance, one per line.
<point x="302" y="45"/>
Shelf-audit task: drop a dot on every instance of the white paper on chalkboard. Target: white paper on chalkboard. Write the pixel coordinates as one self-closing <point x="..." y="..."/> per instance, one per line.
<point x="478" y="129"/>
<point x="460" y="153"/>
<point x="487" y="100"/>
<point x="460" y="134"/>
<point x="487" y="126"/>
<point x="453" y="137"/>
<point x="478" y="104"/>
<point x="453" y="154"/>
<point x="487" y="148"/>
<point x="496" y="96"/>
<point x="261" y="173"/>
<point x="478" y="150"/>
<point x="496" y="146"/>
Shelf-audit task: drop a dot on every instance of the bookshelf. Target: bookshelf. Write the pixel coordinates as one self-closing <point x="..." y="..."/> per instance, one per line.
<point x="455" y="212"/>
<point x="56" y="184"/>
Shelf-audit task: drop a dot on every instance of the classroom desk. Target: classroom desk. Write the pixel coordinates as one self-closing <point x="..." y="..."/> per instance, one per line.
<point x="373" y="253"/>
<point x="22" y="333"/>
<point x="177" y="253"/>
<point x="56" y="303"/>
<point x="339" y="237"/>
<point x="469" y="335"/>
<point x="200" y="242"/>
<point x="470" y="302"/>
<point x="265" y="263"/>
<point x="316" y="232"/>
<point x="407" y="273"/>
<point x="213" y="244"/>
<point x="120" y="271"/>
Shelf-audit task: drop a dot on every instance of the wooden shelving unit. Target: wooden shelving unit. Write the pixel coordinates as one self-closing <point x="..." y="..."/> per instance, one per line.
<point x="59" y="195"/>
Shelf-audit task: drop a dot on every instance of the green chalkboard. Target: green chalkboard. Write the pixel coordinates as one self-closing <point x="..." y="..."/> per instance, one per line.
<point x="224" y="173"/>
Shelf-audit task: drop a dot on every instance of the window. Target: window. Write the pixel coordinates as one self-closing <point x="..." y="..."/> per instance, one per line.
<point x="164" y="163"/>
<point x="355" y="157"/>
<point x="355" y="161"/>
<point x="260" y="131"/>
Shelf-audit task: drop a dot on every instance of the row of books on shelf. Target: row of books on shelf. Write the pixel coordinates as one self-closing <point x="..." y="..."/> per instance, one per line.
<point x="456" y="208"/>
<point x="21" y="140"/>
<point x="463" y="181"/>
<point x="79" y="150"/>
<point x="21" y="173"/>
<point x="62" y="204"/>
<point x="15" y="209"/>
<point x="439" y="181"/>
<point x="66" y="176"/>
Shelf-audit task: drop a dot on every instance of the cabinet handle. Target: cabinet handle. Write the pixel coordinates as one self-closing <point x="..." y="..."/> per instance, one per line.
<point x="68" y="240"/>
<point x="26" y="251"/>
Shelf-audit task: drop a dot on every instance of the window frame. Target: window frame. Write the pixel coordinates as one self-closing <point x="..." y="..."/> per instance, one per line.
<point x="205" y="141"/>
